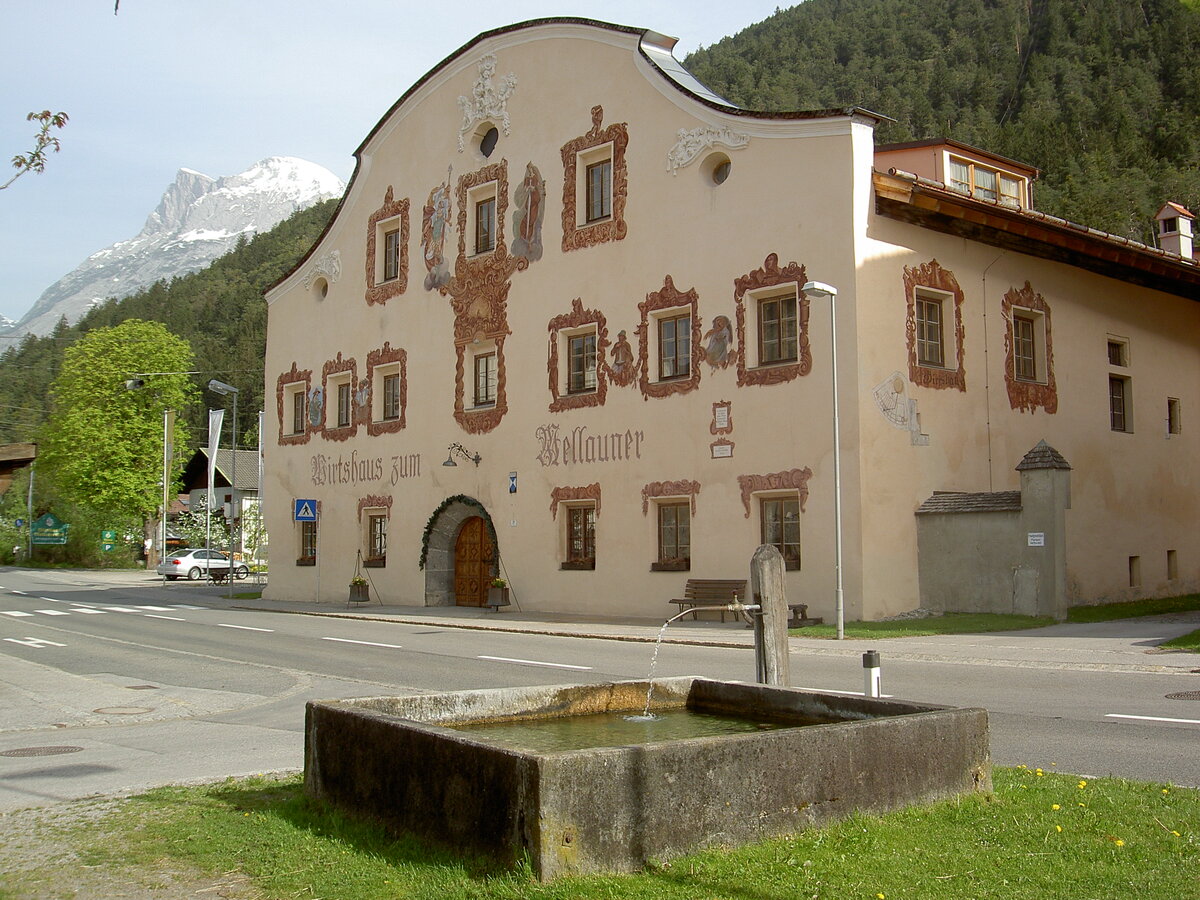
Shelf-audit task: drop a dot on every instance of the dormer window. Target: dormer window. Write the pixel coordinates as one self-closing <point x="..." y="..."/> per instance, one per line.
<point x="985" y="183"/>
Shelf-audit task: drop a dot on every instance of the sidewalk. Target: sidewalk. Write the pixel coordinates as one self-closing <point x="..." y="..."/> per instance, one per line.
<point x="1126" y="645"/>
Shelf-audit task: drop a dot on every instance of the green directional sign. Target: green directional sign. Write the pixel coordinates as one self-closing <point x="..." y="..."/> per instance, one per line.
<point x="108" y="539"/>
<point x="48" y="529"/>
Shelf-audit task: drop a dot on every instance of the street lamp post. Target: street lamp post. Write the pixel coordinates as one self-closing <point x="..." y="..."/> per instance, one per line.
<point x="819" y="289"/>
<point x="220" y="387"/>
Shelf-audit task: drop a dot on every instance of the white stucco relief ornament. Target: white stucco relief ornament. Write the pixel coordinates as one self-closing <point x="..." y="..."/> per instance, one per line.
<point x="488" y="100"/>
<point x="329" y="266"/>
<point x="692" y="143"/>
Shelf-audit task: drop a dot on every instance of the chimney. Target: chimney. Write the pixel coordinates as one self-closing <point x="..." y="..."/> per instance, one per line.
<point x="1175" y="230"/>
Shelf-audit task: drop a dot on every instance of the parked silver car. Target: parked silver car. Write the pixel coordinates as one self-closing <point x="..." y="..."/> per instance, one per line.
<point x="197" y="564"/>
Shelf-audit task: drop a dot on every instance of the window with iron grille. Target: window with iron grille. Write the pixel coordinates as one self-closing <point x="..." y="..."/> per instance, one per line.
<point x="308" y="540"/>
<point x="674" y="533"/>
<point x="581" y="534"/>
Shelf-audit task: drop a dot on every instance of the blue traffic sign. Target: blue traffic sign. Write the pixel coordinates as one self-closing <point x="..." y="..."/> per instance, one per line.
<point x="306" y="511"/>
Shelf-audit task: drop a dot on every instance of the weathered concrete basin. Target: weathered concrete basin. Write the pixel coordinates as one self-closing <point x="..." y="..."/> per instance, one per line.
<point x="614" y="809"/>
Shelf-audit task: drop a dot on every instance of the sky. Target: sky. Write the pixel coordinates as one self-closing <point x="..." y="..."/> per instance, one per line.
<point x="217" y="85"/>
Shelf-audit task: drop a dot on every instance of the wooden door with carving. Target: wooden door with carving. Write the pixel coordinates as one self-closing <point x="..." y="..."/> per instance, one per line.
<point x="474" y="554"/>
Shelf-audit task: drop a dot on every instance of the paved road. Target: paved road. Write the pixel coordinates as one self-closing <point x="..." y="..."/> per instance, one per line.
<point x="163" y="683"/>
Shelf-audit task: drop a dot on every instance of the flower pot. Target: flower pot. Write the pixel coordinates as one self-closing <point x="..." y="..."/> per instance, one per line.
<point x="497" y="597"/>
<point x="360" y="593"/>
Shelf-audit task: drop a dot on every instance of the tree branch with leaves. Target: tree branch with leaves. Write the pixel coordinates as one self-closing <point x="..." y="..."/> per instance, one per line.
<point x="44" y="142"/>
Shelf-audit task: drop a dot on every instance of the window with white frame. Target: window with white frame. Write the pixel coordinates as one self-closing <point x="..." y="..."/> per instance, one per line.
<point x="295" y="408"/>
<point x="485" y="377"/>
<point x="386" y="393"/>
<point x="581" y="362"/>
<point x="376" y="522"/>
<point x="482" y="219"/>
<point x="674" y="534"/>
<point x="342" y="393"/>
<point x="595" y="173"/>
<point x="780" y="527"/>
<point x="1029" y="345"/>
<point x="986" y="182"/>
<point x="1120" y="410"/>
<point x="674" y="344"/>
<point x="929" y="317"/>
<point x="778" y="327"/>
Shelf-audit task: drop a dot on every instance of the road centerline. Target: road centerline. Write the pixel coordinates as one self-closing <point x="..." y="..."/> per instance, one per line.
<point x="534" y="662"/>
<point x="364" y="643"/>
<point x="245" y="627"/>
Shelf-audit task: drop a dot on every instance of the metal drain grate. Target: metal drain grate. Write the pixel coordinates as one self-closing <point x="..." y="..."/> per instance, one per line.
<point x="1184" y="695"/>
<point x="123" y="710"/>
<point x="39" y="751"/>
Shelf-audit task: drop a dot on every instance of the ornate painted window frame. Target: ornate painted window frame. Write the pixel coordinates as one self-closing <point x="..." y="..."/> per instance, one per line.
<point x="386" y="356"/>
<point x="775" y="483"/>
<point x="771" y="275"/>
<point x="575" y="235"/>
<point x="669" y="297"/>
<point x="578" y="318"/>
<point x="1027" y="396"/>
<point x="932" y="275"/>
<point x="292" y="377"/>
<point x="332" y="369"/>
<point x="485" y="418"/>
<point x="392" y="209"/>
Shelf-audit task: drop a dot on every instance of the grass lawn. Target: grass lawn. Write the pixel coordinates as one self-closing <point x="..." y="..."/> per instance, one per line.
<point x="1189" y="641"/>
<point x="978" y="623"/>
<point x="1039" y="835"/>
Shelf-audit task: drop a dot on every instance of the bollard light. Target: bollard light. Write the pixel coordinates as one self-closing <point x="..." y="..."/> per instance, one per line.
<point x="872" y="674"/>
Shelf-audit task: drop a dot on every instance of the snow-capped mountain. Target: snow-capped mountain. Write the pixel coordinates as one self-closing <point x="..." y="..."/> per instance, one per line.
<point x="198" y="219"/>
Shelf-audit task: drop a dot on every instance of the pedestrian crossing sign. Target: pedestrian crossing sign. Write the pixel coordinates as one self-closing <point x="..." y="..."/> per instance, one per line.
<point x="306" y="511"/>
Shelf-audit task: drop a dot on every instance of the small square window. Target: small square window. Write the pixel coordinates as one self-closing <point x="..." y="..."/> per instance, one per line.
<point x="485" y="379"/>
<point x="777" y="329"/>
<point x="581" y="363"/>
<point x="780" y="527"/>
<point x="1116" y="353"/>
<point x="675" y="346"/>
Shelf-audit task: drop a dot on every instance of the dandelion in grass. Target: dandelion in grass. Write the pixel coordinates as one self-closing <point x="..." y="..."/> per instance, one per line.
<point x="1082" y="784"/>
<point x="1058" y="828"/>
<point x="1055" y="806"/>
<point x="1038" y="772"/>
<point x="1176" y="833"/>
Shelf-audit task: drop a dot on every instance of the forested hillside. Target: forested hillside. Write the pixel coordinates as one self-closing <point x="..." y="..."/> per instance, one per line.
<point x="219" y="311"/>
<point x="1101" y="95"/>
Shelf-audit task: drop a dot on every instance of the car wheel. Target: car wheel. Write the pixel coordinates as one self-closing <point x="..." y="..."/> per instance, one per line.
<point x="194" y="574"/>
<point x="241" y="572"/>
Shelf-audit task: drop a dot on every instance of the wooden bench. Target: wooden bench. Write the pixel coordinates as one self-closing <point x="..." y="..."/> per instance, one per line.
<point x="699" y="592"/>
<point x="711" y="592"/>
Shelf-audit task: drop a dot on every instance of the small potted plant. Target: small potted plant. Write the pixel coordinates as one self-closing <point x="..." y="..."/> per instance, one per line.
<point x="359" y="590"/>
<point x="498" y="593"/>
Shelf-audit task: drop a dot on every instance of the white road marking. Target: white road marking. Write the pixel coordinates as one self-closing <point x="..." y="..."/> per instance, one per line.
<point x="20" y="593"/>
<point x="52" y="612"/>
<point x="88" y="610"/>
<point x="534" y="662"/>
<point x="185" y="606"/>
<point x="77" y="604"/>
<point x="245" y="628"/>
<point x="36" y="643"/>
<point x="1153" y="719"/>
<point x="120" y="609"/>
<point x="51" y="600"/>
<point x="155" y="608"/>
<point x="172" y="618"/>
<point x="15" y="613"/>
<point x="365" y="643"/>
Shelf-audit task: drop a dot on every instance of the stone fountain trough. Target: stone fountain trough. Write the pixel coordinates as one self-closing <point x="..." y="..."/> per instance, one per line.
<point x="613" y="809"/>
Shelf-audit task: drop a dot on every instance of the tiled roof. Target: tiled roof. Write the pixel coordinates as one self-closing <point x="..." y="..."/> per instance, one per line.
<point x="1043" y="456"/>
<point x="951" y="502"/>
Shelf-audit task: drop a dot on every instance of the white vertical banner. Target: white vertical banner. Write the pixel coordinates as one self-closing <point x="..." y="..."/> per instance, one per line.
<point x="216" y="418"/>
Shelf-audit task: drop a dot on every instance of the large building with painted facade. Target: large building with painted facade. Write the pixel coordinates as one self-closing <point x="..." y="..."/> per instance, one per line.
<point x="565" y="266"/>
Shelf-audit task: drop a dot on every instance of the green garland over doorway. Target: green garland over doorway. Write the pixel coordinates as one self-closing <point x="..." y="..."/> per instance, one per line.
<point x="468" y="501"/>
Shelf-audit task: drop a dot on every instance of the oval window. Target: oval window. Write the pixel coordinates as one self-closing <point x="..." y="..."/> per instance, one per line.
<point x="488" y="143"/>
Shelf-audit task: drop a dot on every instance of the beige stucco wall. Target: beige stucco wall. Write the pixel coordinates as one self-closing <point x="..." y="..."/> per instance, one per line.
<point x="785" y="196"/>
<point x="800" y="189"/>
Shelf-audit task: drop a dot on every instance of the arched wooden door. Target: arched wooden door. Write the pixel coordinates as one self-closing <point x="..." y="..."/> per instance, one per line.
<point x="474" y="554"/>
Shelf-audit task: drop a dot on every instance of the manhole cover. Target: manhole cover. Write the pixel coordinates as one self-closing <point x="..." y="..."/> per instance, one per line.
<point x="39" y="751"/>
<point x="141" y="687"/>
<point x="1184" y="695"/>
<point x="122" y="710"/>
